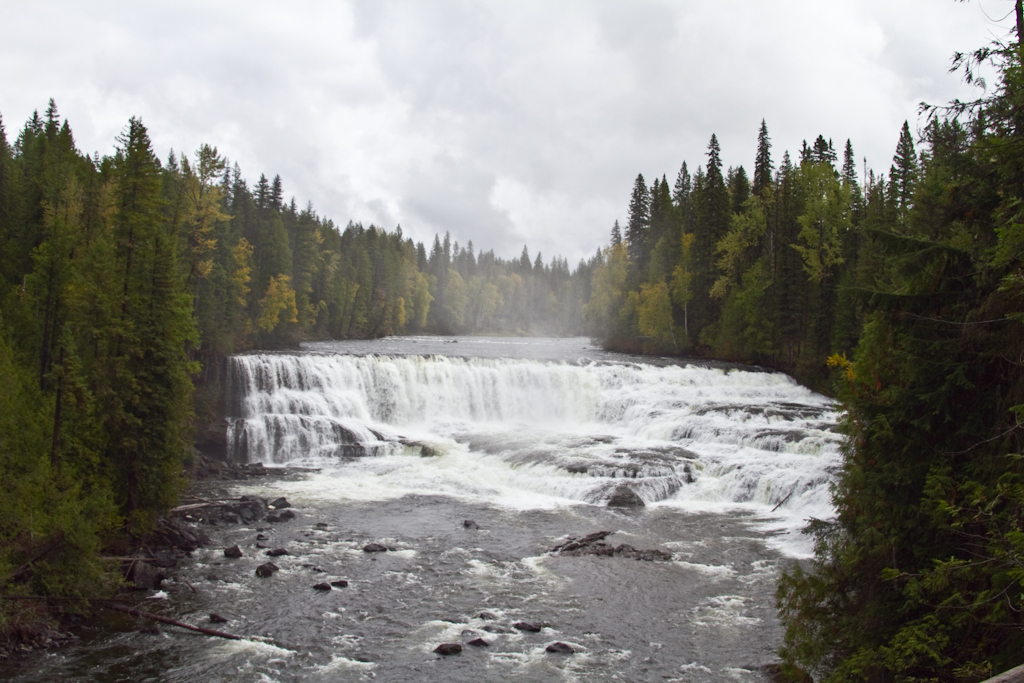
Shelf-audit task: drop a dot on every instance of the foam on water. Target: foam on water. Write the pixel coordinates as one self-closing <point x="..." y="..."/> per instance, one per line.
<point x="529" y="434"/>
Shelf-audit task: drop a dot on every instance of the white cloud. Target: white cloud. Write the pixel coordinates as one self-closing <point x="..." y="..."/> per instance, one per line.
<point x="502" y="122"/>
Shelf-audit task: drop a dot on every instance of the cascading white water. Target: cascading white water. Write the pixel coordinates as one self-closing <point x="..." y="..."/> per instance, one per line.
<point x="681" y="435"/>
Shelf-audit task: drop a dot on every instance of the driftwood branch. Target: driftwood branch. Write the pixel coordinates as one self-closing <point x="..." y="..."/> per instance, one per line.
<point x="782" y="502"/>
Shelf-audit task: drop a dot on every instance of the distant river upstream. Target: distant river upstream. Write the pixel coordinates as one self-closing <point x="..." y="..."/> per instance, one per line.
<point x="530" y="439"/>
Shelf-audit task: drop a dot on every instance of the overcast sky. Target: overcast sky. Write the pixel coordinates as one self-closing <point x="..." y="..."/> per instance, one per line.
<point x="505" y="123"/>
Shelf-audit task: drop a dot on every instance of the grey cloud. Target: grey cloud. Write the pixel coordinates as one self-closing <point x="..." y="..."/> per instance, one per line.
<point x="502" y="122"/>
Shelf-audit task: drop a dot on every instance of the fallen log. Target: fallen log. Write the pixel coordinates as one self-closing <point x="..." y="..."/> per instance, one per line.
<point x="164" y="620"/>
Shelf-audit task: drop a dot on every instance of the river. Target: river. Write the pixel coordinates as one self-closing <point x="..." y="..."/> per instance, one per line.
<point x="530" y="439"/>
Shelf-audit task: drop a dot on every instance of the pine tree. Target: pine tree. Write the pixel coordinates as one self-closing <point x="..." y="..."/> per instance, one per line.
<point x="903" y="175"/>
<point x="616" y="234"/>
<point x="637" y="227"/>
<point x="762" y="162"/>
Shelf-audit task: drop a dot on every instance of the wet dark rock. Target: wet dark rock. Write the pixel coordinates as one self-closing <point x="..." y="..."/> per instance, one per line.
<point x="266" y="569"/>
<point x="560" y="648"/>
<point x="470" y="524"/>
<point x="176" y="533"/>
<point x="246" y="509"/>
<point x="593" y="544"/>
<point x="273" y="519"/>
<point x="233" y="552"/>
<point x="262" y="546"/>
<point x="527" y="627"/>
<point x="375" y="548"/>
<point x="212" y="577"/>
<point x="145" y="576"/>
<point x="151" y="630"/>
<point x="218" y="619"/>
<point x="321" y="525"/>
<point x="488" y="616"/>
<point x="313" y="568"/>
<point x="278" y="552"/>
<point x="287" y="515"/>
<point x="650" y="555"/>
<point x="448" y="649"/>
<point x="478" y="642"/>
<point x="262" y="537"/>
<point x="340" y="583"/>
<point x="468" y="632"/>
<point x="573" y="543"/>
<point x="280" y="504"/>
<point x="322" y="586"/>
<point x="164" y="557"/>
<point x="625" y="497"/>
<point x="496" y="628"/>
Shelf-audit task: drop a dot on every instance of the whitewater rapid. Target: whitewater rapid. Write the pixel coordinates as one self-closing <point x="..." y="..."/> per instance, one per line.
<point x="528" y="433"/>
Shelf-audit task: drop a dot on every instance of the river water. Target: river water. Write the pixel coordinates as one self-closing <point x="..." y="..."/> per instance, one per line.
<point x="530" y="439"/>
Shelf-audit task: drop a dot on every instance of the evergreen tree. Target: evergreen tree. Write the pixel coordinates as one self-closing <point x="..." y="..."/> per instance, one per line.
<point x="616" y="234"/>
<point x="762" y="162"/>
<point x="903" y="175"/>
<point x="637" y="227"/>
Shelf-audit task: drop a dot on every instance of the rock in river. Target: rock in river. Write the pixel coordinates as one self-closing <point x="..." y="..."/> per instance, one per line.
<point x="527" y="627"/>
<point x="233" y="552"/>
<point x="448" y="649"/>
<point x="560" y="648"/>
<point x="266" y="569"/>
<point x="625" y="497"/>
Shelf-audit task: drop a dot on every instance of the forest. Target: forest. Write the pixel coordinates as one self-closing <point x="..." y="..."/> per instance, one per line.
<point x="125" y="279"/>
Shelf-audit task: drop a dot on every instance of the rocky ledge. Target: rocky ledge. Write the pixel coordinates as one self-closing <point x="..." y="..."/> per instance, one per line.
<point x="594" y="544"/>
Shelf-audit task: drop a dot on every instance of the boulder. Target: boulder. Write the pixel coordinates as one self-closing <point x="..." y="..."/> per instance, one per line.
<point x="560" y="648"/>
<point x="322" y="586"/>
<point x="375" y="548"/>
<point x="478" y="642"/>
<point x="340" y="583"/>
<point x="470" y="524"/>
<point x="593" y="544"/>
<point x="625" y="497"/>
<point x="217" y="619"/>
<point x="488" y="616"/>
<point x="266" y="569"/>
<point x="233" y="552"/>
<point x="496" y="628"/>
<point x="145" y="576"/>
<point x="280" y="504"/>
<point x="176" y="533"/>
<point x="286" y="516"/>
<point x="527" y="627"/>
<point x="448" y="649"/>
<point x="277" y="552"/>
<point x="164" y="557"/>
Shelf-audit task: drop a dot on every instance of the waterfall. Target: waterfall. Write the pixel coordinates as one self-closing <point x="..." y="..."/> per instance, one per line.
<point x="581" y="431"/>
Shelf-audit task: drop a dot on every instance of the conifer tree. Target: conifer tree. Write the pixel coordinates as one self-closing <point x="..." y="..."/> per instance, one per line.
<point x="762" y="162"/>
<point x="637" y="227"/>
